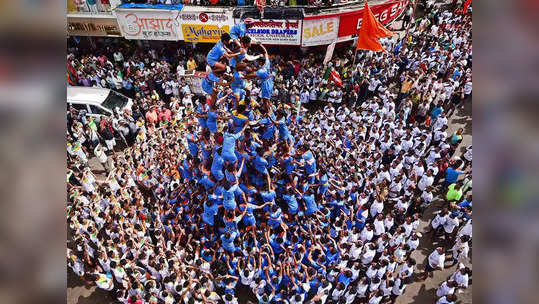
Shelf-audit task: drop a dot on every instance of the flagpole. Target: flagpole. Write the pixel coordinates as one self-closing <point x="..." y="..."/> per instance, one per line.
<point x="355" y="53"/>
<point x="354" y="61"/>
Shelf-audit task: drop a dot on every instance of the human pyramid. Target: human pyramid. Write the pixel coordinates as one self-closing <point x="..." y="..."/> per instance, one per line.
<point x="251" y="199"/>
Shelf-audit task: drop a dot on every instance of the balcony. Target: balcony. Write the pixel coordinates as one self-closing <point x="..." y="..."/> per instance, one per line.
<point x="91" y="7"/>
<point x="106" y="6"/>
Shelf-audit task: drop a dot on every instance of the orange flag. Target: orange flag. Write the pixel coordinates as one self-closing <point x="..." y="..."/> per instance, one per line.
<point x="466" y="4"/>
<point x="369" y="32"/>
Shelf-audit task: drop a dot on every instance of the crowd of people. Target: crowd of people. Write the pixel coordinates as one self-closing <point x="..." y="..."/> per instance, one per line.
<point x="278" y="185"/>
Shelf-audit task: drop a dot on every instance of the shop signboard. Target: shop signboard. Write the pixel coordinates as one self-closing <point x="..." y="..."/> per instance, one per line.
<point x="350" y="22"/>
<point x="276" y="32"/>
<point x="149" y="24"/>
<point x="203" y="32"/>
<point x="320" y="31"/>
<point x="84" y="25"/>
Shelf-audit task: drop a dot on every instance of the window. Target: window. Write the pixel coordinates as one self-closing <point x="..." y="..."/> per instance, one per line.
<point x="114" y="100"/>
<point x="98" y="110"/>
<point x="79" y="107"/>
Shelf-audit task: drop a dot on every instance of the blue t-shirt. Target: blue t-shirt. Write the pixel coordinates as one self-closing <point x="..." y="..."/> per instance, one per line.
<point x="229" y="201"/>
<point x="237" y="82"/>
<point x="216" y="52"/>
<point x="465" y="203"/>
<point x="211" y="122"/>
<point x="269" y="132"/>
<point x="310" y="164"/>
<point x="260" y="164"/>
<point x="310" y="205"/>
<point x="344" y="279"/>
<point x="206" y="182"/>
<point x="202" y="109"/>
<point x="291" y="202"/>
<point x="436" y="112"/>
<point x="238" y="30"/>
<point x="239" y="120"/>
<point x="229" y="143"/>
<point x="209" y="213"/>
<point x="264" y="73"/>
<point x="217" y="166"/>
<point x="451" y="175"/>
<point x="191" y="143"/>
<point x="268" y="196"/>
<point x="228" y="243"/>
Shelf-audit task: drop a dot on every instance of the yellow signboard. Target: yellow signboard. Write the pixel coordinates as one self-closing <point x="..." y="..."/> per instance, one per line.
<point x="203" y="32"/>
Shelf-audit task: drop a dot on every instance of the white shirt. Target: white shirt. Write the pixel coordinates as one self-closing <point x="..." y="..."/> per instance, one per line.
<point x="427" y="197"/>
<point x="350" y="297"/>
<point x="439" y="220"/>
<point x="355" y="252"/>
<point x="468" y="88"/>
<point x="425" y="181"/>
<point x="440" y="121"/>
<point x="366" y="235"/>
<point x="368" y="256"/>
<point x="460" y="250"/>
<point x="443" y="300"/>
<point x="180" y="70"/>
<point x="413" y="243"/>
<point x="389" y="223"/>
<point x="379" y="227"/>
<point x="450" y="224"/>
<point x="444" y="290"/>
<point x="397" y="288"/>
<point x="408" y="270"/>
<point x="375" y="300"/>
<point x="436" y="259"/>
<point x="377" y="207"/>
<point x="373" y="84"/>
<point x="362" y="289"/>
<point x="336" y="294"/>
<point x="461" y="279"/>
<point x="468" y="154"/>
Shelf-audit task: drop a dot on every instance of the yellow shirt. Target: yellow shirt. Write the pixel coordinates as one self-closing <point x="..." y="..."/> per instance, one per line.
<point x="191" y="65"/>
<point x="406" y="86"/>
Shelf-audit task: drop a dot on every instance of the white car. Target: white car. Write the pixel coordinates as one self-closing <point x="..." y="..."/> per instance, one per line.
<point x="97" y="102"/>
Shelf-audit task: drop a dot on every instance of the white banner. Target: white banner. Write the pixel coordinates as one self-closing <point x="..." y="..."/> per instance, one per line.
<point x="320" y="31"/>
<point x="329" y="53"/>
<point x="149" y="24"/>
<point x="281" y="32"/>
<point x="199" y="15"/>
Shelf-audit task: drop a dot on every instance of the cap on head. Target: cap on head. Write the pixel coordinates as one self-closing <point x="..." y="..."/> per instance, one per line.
<point x="249" y="21"/>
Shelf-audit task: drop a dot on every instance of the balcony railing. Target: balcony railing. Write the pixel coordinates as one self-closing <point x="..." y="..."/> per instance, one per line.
<point x="91" y="6"/>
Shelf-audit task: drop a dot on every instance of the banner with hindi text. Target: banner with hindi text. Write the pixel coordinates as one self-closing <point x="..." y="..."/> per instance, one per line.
<point x="149" y="24"/>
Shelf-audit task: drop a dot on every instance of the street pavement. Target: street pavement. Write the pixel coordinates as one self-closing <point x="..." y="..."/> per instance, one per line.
<point x="425" y="291"/>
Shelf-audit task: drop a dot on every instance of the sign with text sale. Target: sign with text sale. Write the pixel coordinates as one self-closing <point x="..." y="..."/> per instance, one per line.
<point x="320" y="31"/>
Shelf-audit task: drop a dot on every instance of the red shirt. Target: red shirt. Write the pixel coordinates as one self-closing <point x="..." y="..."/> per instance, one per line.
<point x="151" y="116"/>
<point x="165" y="115"/>
<point x="297" y="66"/>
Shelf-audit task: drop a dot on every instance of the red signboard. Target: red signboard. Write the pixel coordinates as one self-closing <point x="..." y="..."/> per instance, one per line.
<point x="385" y="12"/>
